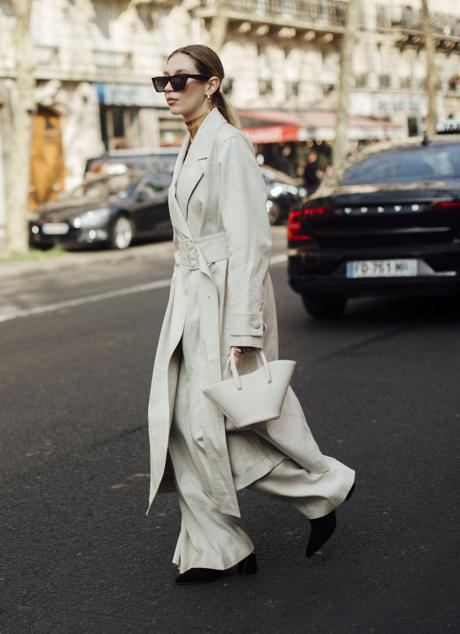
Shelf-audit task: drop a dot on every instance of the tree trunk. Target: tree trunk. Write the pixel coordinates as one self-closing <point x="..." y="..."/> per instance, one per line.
<point x="346" y="72"/>
<point x="18" y="166"/>
<point x="431" y="74"/>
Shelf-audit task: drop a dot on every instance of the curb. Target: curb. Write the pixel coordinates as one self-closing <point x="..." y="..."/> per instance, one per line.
<point x="163" y="249"/>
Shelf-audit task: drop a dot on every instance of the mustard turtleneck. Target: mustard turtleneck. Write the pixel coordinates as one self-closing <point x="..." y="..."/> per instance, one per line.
<point x="194" y="124"/>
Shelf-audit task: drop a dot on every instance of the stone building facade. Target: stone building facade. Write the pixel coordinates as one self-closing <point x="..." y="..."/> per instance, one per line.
<point x="94" y="60"/>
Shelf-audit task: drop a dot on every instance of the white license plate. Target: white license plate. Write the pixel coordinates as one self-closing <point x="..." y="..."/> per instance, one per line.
<point x="55" y="228"/>
<point x="382" y="268"/>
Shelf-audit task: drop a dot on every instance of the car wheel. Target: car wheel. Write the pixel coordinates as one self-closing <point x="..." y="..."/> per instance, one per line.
<point x="324" y="306"/>
<point x="121" y="234"/>
<point x="274" y="213"/>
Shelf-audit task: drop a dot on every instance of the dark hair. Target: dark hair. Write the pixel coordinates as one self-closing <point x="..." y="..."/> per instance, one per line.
<point x="208" y="63"/>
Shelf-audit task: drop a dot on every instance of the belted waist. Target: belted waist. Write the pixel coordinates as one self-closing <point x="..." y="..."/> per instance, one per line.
<point x="213" y="247"/>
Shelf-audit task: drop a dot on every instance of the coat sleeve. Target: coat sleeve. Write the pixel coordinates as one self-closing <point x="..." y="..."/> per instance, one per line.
<point x="242" y="206"/>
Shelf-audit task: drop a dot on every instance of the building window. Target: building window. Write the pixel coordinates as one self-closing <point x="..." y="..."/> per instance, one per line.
<point x="327" y="89"/>
<point x="265" y="86"/>
<point x="120" y="127"/>
<point x="264" y="73"/>
<point x="405" y="83"/>
<point x="118" y="122"/>
<point x="361" y="80"/>
<point x="453" y="83"/>
<point x="413" y="128"/>
<point x="292" y="89"/>
<point x="384" y="80"/>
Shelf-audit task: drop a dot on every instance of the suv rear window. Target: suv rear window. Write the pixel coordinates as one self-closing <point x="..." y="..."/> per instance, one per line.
<point x="435" y="162"/>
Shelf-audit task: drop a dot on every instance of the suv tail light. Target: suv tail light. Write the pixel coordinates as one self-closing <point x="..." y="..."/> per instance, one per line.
<point x="294" y="225"/>
<point x="446" y="205"/>
<point x="315" y="211"/>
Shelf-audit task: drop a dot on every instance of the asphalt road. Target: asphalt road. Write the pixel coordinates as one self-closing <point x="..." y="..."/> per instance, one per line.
<point x="381" y="391"/>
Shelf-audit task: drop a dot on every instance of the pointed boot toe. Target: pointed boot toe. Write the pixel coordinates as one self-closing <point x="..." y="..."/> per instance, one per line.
<point x="321" y="530"/>
<point x="248" y="565"/>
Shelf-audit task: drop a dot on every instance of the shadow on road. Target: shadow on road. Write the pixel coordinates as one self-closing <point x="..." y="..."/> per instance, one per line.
<point x="390" y="310"/>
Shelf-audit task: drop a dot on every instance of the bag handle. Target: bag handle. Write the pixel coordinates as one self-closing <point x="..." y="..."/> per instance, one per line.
<point x="236" y="376"/>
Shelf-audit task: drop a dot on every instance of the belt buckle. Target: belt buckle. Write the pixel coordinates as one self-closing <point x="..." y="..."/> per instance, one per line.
<point x="190" y="254"/>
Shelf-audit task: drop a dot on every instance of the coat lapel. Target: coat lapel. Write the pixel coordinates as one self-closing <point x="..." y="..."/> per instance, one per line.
<point x="180" y="158"/>
<point x="197" y="157"/>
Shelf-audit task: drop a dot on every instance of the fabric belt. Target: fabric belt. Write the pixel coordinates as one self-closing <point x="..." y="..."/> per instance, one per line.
<point x="213" y="247"/>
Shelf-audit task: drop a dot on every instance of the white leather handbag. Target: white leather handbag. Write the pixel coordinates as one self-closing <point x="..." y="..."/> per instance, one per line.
<point x="255" y="396"/>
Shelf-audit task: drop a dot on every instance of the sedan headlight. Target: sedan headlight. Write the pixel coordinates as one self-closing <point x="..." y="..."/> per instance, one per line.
<point x="91" y="218"/>
<point x="283" y="188"/>
<point x="277" y="190"/>
<point x="301" y="191"/>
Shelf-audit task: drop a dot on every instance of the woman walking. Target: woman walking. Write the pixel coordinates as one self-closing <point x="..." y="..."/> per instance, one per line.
<point x="221" y="298"/>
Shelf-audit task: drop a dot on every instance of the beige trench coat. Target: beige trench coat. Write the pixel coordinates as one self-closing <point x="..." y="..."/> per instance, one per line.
<point x="223" y="237"/>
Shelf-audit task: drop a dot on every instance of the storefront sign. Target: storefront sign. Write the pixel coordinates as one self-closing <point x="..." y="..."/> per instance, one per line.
<point x="275" y="134"/>
<point x="130" y="95"/>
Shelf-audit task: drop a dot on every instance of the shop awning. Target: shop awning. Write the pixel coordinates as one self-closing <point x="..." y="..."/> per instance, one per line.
<point x="275" y="126"/>
<point x="273" y="133"/>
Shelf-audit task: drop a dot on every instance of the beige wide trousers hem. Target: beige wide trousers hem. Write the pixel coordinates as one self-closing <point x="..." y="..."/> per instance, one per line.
<point x="313" y="494"/>
<point x="210" y="539"/>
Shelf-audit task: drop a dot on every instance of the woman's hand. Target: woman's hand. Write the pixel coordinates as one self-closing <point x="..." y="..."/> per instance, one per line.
<point x="241" y="350"/>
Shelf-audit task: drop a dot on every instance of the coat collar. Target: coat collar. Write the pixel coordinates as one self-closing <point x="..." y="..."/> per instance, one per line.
<point x="204" y="137"/>
<point x="197" y="154"/>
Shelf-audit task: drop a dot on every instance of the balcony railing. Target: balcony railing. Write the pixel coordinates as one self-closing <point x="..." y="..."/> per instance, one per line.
<point x="325" y="13"/>
<point x="112" y="60"/>
<point x="410" y="20"/>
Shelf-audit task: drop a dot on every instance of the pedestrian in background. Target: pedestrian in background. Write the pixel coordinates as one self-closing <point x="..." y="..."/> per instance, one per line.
<point x="285" y="161"/>
<point x="221" y="299"/>
<point x="311" y="174"/>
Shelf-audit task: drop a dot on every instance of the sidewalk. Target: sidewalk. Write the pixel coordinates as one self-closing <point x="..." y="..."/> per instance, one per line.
<point x="75" y="260"/>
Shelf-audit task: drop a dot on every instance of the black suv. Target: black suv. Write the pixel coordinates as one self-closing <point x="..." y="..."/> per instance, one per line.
<point x="388" y="221"/>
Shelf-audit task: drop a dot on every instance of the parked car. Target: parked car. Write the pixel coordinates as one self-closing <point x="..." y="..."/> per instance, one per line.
<point x="282" y="192"/>
<point x="387" y="222"/>
<point x="114" y="210"/>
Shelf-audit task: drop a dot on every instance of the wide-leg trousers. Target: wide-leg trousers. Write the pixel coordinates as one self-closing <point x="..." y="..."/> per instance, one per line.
<point x="209" y="538"/>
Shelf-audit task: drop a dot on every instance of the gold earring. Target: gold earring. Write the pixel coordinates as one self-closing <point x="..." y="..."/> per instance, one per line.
<point x="209" y="101"/>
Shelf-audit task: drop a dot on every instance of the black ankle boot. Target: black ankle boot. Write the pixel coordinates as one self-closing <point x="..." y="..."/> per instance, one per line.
<point x="247" y="566"/>
<point x="322" y="528"/>
<point x="198" y="575"/>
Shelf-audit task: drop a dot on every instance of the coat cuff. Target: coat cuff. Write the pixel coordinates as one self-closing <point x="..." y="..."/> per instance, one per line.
<point x="245" y="340"/>
<point x="248" y="324"/>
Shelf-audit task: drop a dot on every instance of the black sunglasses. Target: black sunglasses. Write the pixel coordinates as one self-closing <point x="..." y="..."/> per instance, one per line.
<point x="178" y="82"/>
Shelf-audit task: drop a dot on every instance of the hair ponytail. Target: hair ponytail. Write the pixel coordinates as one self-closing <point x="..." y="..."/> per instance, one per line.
<point x="208" y="63"/>
<point x="226" y="108"/>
